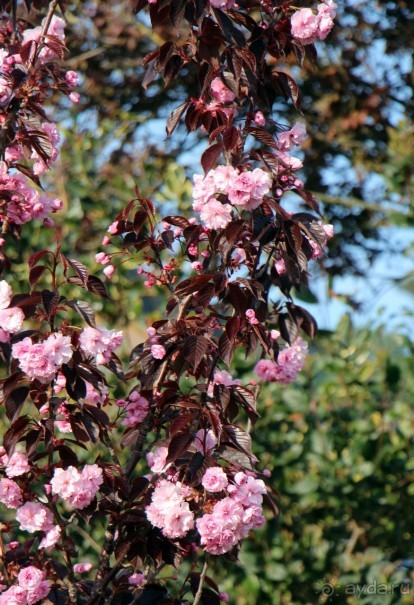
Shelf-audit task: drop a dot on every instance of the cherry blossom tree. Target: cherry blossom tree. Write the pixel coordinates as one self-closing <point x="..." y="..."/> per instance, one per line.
<point x="190" y="488"/>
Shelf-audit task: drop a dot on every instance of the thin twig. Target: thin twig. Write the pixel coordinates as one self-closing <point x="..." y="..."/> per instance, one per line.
<point x="199" y="592"/>
<point x="37" y="45"/>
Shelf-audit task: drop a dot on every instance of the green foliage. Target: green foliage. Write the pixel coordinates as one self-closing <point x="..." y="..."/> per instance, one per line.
<point x="339" y="443"/>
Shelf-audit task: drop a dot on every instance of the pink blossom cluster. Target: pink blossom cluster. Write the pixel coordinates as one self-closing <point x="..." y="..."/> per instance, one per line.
<point x="222" y="97"/>
<point x="309" y="26"/>
<point x="31" y="588"/>
<point x="136" y="408"/>
<point x="18" y="464"/>
<point x="157" y="351"/>
<point x="77" y="488"/>
<point x="42" y="360"/>
<point x="224" y="378"/>
<point x="234" y="516"/>
<point x="205" y="441"/>
<point x="317" y="249"/>
<point x="293" y="137"/>
<point x="223" y="4"/>
<point x="100" y="343"/>
<point x="26" y="203"/>
<point x="82" y="567"/>
<point x="56" y="28"/>
<point x="157" y="460"/>
<point x="245" y="190"/>
<point x="11" y="318"/>
<point x="10" y="493"/>
<point x="51" y="134"/>
<point x="33" y="517"/>
<point x="168" y="509"/>
<point x="289" y="363"/>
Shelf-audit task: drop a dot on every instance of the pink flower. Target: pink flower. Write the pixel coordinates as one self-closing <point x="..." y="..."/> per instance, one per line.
<point x="113" y="228"/>
<point x="109" y="271"/>
<point x="64" y="426"/>
<point x="214" y="479"/>
<point x="329" y="231"/>
<point x="280" y="266"/>
<point x="11" y="319"/>
<point x="5" y="294"/>
<point x="102" y="258"/>
<point x="157" y="459"/>
<point x="289" y="363"/>
<point x="204" y="190"/>
<point x="136" y="409"/>
<point x="251" y="317"/>
<point x="220" y="92"/>
<point x="215" y="215"/>
<point x="304" y="24"/>
<point x="137" y="579"/>
<point x="274" y="334"/>
<point x="51" y="537"/>
<point x="34" y="517"/>
<point x="259" y="118"/>
<point x="100" y="343"/>
<point x="326" y="14"/>
<point x="72" y="78"/>
<point x="289" y="161"/>
<point x="10" y="493"/>
<point x="223" y="596"/>
<point x="30" y="577"/>
<point x="158" y="351"/>
<point x="38" y="592"/>
<point x="18" y="464"/>
<point x="168" y="510"/>
<point x="292" y="137"/>
<point x="77" y="488"/>
<point x="15" y="595"/>
<point x="205" y="441"/>
<point x="223" y="4"/>
<point x="58" y="349"/>
<point x="82" y="567"/>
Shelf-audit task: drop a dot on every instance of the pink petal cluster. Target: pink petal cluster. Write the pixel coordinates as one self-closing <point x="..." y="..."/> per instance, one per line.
<point x="157" y="460"/>
<point x="244" y="189"/>
<point x="136" y="408"/>
<point x="93" y="395"/>
<point x="234" y="516"/>
<point x="169" y="511"/>
<point x="26" y="203"/>
<point x="42" y="360"/>
<point x="32" y="580"/>
<point x="56" y="28"/>
<point x="77" y="488"/>
<point x="224" y="5"/>
<point x="289" y="363"/>
<point x="137" y="579"/>
<point x="224" y="378"/>
<point x="308" y="26"/>
<point x="293" y="137"/>
<point x="205" y="441"/>
<point x="158" y="351"/>
<point x="17" y="464"/>
<point x="220" y="92"/>
<point x="100" y="343"/>
<point x="82" y="567"/>
<point x="10" y="493"/>
<point x="214" y="479"/>
<point x="11" y="318"/>
<point x="34" y="516"/>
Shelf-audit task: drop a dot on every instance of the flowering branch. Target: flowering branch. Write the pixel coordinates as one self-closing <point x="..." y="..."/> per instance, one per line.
<point x="197" y="492"/>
